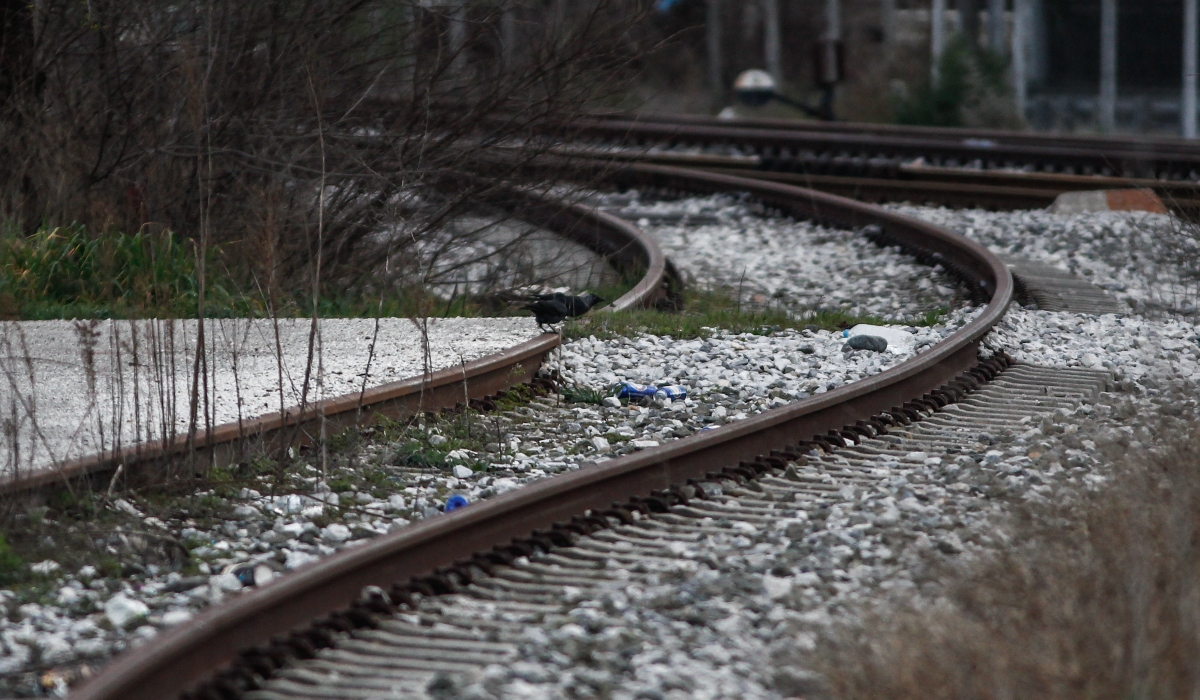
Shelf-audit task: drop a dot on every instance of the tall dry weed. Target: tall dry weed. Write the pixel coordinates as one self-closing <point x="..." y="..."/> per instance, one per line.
<point x="1097" y="598"/>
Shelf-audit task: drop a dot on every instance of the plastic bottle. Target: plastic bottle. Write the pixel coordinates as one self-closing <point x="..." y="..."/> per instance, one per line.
<point x="674" y="391"/>
<point x="630" y="390"/>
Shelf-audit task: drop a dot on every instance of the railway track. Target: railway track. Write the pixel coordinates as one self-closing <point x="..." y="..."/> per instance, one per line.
<point x="236" y="648"/>
<point x="993" y="170"/>
<point x="487" y="616"/>
<point x="619" y="242"/>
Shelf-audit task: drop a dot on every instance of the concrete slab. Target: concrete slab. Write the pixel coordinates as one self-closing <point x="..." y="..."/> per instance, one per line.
<point x="1087" y="201"/>
<point x="70" y="389"/>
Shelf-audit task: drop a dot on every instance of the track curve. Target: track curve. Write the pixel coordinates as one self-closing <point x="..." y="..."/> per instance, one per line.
<point x="331" y="589"/>
<point x="617" y="240"/>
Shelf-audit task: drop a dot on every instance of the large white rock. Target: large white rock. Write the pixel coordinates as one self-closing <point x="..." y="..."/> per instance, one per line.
<point x="335" y="532"/>
<point x="121" y="610"/>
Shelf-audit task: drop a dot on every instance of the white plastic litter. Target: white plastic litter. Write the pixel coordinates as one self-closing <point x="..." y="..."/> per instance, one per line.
<point x="899" y="341"/>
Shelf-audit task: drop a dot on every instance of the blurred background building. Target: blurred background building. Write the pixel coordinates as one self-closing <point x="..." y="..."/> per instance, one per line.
<point x="1063" y="65"/>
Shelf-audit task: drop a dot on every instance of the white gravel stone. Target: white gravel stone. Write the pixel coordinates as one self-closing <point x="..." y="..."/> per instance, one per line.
<point x="335" y="532"/>
<point x="720" y="241"/>
<point x="296" y="559"/>
<point x="1143" y="259"/>
<point x="176" y="617"/>
<point x="122" y="610"/>
<point x="45" y="568"/>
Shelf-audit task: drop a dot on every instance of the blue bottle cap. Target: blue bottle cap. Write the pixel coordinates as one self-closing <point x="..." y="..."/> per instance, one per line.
<point x="455" y="502"/>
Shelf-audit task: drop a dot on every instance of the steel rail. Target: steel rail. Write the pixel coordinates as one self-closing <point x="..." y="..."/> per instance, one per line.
<point x="782" y="148"/>
<point x="874" y="172"/>
<point x="1022" y="184"/>
<point x="181" y="658"/>
<point x="1000" y="137"/>
<point x="617" y="240"/>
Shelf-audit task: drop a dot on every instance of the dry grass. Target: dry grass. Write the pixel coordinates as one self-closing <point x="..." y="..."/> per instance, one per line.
<point x="1095" y="598"/>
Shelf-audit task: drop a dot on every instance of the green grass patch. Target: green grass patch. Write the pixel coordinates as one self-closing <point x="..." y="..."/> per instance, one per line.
<point x="705" y="311"/>
<point x="584" y="394"/>
<point x="12" y="567"/>
<point x="66" y="272"/>
<point x="72" y="272"/>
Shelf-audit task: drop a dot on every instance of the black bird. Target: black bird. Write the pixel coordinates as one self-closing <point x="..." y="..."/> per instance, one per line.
<point x="576" y="305"/>
<point x="550" y="309"/>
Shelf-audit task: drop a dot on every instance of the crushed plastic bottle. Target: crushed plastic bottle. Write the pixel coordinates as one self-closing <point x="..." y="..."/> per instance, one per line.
<point x="629" y="390"/>
<point x="674" y="391"/>
<point x="455" y="502"/>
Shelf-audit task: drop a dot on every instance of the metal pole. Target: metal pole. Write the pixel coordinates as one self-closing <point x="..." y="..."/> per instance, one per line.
<point x="560" y="12"/>
<point x="458" y="39"/>
<point x="833" y="20"/>
<point x="937" y="36"/>
<point x="889" y="22"/>
<point x="508" y="37"/>
<point x="771" y="42"/>
<point x="968" y="21"/>
<point x="995" y="26"/>
<point x="716" y="69"/>
<point x="1107" y="112"/>
<point x="408" y="61"/>
<point x="1019" y="48"/>
<point x="1187" y="104"/>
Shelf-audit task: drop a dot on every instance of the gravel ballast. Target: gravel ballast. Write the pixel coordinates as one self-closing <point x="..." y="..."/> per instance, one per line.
<point x="721" y="241"/>
<point x="1146" y="260"/>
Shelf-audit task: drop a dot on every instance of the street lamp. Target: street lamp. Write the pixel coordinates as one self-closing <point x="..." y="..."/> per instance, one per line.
<point x="756" y="87"/>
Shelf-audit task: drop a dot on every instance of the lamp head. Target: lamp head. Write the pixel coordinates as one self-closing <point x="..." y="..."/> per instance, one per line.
<point x="754" y="87"/>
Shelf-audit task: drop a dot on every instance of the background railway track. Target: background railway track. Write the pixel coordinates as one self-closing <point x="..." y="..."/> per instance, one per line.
<point x="959" y="168"/>
<point x="544" y="515"/>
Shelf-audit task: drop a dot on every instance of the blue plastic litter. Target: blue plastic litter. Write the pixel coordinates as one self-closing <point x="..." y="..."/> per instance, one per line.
<point x="455" y="502"/>
<point x="630" y="390"/>
<point x="674" y="391"/>
<point x="245" y="574"/>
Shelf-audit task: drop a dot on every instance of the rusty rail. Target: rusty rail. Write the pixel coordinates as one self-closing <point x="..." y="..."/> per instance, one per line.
<point x="179" y="659"/>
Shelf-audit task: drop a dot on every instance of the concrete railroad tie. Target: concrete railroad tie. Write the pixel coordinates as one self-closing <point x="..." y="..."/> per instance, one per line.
<point x="1053" y="289"/>
<point x="485" y="622"/>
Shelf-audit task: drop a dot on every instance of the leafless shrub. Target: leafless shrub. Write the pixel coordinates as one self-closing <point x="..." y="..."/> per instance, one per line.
<point x="254" y="125"/>
<point x="1178" y="252"/>
<point x="1098" y="598"/>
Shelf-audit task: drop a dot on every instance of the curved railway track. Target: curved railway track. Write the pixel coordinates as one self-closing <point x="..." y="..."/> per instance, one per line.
<point x="261" y="641"/>
<point x="619" y="242"/>
<point x="954" y="167"/>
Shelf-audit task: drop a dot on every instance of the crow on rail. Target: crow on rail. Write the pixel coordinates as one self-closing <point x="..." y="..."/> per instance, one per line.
<point x="550" y="309"/>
